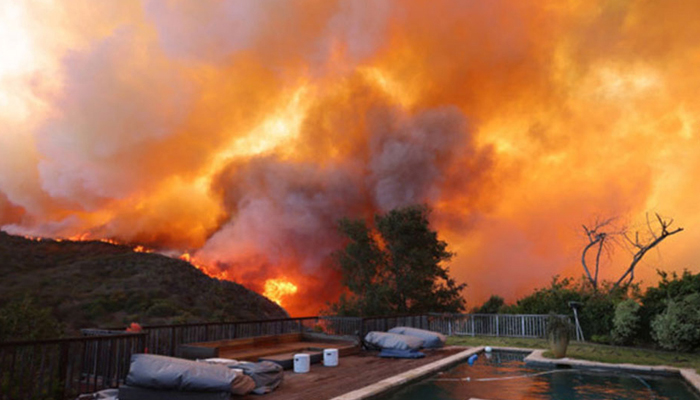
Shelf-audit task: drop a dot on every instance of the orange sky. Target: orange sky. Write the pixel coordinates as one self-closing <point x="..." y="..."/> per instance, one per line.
<point x="241" y="131"/>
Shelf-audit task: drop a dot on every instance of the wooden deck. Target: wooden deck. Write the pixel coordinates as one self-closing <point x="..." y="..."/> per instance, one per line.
<point x="277" y="348"/>
<point x="353" y="372"/>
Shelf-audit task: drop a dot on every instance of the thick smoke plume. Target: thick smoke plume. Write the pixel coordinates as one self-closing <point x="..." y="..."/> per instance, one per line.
<point x="240" y="132"/>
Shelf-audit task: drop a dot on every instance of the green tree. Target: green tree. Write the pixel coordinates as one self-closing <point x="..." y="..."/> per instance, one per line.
<point x="397" y="267"/>
<point x="492" y="306"/>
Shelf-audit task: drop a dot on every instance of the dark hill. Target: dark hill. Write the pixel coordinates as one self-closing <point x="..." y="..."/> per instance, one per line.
<point x="96" y="284"/>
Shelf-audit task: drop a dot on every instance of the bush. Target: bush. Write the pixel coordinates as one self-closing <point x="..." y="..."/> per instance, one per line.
<point x="162" y="308"/>
<point x="596" y="315"/>
<point x="23" y="319"/>
<point x="626" y="322"/>
<point x="492" y="306"/>
<point x="670" y="287"/>
<point x="678" y="327"/>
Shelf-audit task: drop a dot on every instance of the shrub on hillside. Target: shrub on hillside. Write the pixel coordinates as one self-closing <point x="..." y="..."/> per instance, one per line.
<point x="678" y="327"/>
<point x="626" y="322"/>
<point x="23" y="319"/>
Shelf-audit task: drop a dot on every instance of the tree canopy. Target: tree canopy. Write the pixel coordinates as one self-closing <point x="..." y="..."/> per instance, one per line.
<point x="395" y="266"/>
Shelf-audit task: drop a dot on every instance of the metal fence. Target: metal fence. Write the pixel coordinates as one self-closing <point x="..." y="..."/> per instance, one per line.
<point x="506" y="325"/>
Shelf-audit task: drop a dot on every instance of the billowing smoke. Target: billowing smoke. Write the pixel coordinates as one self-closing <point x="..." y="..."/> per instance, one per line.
<point x="241" y="131"/>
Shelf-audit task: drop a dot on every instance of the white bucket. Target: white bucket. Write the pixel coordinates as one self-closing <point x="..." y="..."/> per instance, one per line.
<point x="330" y="357"/>
<point x="302" y="363"/>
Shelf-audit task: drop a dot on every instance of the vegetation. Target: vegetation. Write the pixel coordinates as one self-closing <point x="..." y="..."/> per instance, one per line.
<point x="670" y="287"/>
<point x="626" y="322"/>
<point x="23" y="319"/>
<point x="494" y="305"/>
<point x="678" y="327"/>
<point x="624" y="315"/>
<point x="96" y="284"/>
<point x="395" y="268"/>
<point x="595" y="316"/>
<point x="590" y="351"/>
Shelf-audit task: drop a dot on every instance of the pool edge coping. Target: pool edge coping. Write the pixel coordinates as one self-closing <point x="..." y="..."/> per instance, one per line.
<point x="404" y="378"/>
<point x="535" y="357"/>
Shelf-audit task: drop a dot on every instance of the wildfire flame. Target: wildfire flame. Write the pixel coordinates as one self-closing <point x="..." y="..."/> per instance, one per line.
<point x="277" y="289"/>
<point x="223" y="275"/>
<point x="516" y="121"/>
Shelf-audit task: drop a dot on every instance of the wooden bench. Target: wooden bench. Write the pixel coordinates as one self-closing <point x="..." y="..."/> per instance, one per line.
<point x="276" y="348"/>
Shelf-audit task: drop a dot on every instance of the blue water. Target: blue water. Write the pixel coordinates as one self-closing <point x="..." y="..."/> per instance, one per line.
<point x="504" y="376"/>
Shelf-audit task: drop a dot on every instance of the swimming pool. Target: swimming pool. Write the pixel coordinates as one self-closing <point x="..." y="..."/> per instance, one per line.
<point x="504" y="376"/>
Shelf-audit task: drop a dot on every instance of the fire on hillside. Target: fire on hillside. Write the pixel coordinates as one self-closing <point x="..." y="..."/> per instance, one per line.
<point x="243" y="131"/>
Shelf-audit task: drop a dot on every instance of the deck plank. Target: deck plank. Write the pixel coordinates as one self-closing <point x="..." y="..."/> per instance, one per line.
<point x="353" y="372"/>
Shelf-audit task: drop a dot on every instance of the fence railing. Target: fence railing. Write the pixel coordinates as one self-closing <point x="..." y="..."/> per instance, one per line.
<point x="506" y="325"/>
<point x="64" y="368"/>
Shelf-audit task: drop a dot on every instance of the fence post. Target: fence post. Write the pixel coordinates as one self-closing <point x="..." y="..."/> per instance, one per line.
<point x="497" y="332"/>
<point x="62" y="370"/>
<point x="471" y="316"/>
<point x="172" y="340"/>
<point x="522" y="320"/>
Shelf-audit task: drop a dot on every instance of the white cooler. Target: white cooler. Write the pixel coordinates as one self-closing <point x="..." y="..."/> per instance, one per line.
<point x="302" y="363"/>
<point x="330" y="357"/>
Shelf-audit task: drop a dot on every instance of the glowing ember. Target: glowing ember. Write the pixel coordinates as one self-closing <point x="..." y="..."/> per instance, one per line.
<point x="276" y="289"/>
<point x="141" y="249"/>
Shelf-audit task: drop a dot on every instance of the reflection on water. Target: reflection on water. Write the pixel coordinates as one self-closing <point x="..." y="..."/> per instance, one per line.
<point x="504" y="376"/>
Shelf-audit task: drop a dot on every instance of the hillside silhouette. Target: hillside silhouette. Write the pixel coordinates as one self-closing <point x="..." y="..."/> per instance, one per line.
<point x="96" y="284"/>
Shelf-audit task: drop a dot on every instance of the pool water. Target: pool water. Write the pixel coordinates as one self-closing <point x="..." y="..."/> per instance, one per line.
<point x="504" y="376"/>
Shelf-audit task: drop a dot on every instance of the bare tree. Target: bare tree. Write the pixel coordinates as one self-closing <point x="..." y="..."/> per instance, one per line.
<point x="602" y="236"/>
<point x="643" y="246"/>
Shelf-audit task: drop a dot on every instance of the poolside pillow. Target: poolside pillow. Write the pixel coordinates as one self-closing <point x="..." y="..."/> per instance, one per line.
<point x="385" y="340"/>
<point x="393" y="353"/>
<point x="266" y="374"/>
<point x="169" y="373"/>
<point x="430" y="339"/>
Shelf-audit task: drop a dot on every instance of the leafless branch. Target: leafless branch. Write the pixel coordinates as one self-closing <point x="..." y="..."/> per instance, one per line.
<point x="644" y="247"/>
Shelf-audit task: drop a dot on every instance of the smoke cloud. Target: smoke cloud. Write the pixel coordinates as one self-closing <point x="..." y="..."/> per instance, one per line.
<point x="240" y="132"/>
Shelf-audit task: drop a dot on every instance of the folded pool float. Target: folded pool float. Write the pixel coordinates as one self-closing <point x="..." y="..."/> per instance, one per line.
<point x="386" y="340"/>
<point x="393" y="353"/>
<point x="161" y="375"/>
<point x="431" y="339"/>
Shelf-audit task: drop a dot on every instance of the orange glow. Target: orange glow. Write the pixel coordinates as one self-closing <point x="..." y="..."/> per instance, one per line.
<point x="277" y="289"/>
<point x="223" y="275"/>
<point x="244" y="143"/>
